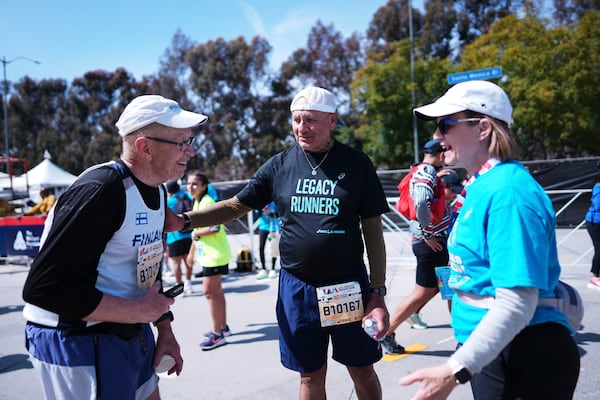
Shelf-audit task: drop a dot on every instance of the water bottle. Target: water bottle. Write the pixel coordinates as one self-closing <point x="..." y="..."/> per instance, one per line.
<point x="371" y="328"/>
<point x="166" y="363"/>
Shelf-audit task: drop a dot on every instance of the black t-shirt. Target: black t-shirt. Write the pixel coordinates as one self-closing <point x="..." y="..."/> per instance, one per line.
<point x="320" y="240"/>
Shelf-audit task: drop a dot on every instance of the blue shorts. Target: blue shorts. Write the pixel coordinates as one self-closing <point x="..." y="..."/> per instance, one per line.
<point x="93" y="366"/>
<point x="303" y="343"/>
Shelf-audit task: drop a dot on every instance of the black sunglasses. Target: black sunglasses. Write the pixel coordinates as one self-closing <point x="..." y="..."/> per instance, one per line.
<point x="181" y="145"/>
<point x="444" y="124"/>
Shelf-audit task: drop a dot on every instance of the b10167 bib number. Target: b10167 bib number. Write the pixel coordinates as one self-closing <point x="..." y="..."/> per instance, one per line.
<point x="340" y="304"/>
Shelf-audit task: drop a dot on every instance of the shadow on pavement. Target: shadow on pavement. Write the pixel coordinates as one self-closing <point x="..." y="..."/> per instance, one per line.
<point x="584" y="339"/>
<point x="14" y="362"/>
<point x="434" y="353"/>
<point x="9" y="309"/>
<point x="263" y="332"/>
<point x="246" y="288"/>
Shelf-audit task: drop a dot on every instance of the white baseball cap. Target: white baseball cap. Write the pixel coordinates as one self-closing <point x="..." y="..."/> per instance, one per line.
<point x="314" y="99"/>
<point x="480" y="96"/>
<point x="147" y="109"/>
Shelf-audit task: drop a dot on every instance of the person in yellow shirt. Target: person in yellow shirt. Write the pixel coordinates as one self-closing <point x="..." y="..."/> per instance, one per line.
<point x="4" y="207"/>
<point x="44" y="206"/>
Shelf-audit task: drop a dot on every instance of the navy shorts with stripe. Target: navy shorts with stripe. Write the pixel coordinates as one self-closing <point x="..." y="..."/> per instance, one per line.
<point x="100" y="366"/>
<point x="303" y="343"/>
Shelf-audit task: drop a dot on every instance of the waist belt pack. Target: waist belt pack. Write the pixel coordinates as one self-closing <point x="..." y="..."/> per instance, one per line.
<point x="566" y="298"/>
<point x="124" y="331"/>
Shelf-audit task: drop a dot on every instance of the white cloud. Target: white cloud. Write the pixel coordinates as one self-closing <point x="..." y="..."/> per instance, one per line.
<point x="291" y="33"/>
<point x="254" y="18"/>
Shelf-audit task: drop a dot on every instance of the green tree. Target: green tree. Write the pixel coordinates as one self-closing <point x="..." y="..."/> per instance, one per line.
<point x="390" y="24"/>
<point x="95" y="102"/>
<point x="227" y="79"/>
<point x="438" y="28"/>
<point x="383" y="95"/>
<point x="172" y="81"/>
<point x="552" y="77"/>
<point x="35" y="118"/>
<point x="568" y="12"/>
<point x="328" y="61"/>
<point x="475" y="17"/>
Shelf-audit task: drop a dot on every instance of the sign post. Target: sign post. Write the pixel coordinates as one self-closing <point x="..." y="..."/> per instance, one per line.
<point x="487" y="73"/>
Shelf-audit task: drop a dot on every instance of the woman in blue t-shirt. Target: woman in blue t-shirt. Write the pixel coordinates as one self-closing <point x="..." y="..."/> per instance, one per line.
<point x="592" y="223"/>
<point x="503" y="258"/>
<point x="268" y="232"/>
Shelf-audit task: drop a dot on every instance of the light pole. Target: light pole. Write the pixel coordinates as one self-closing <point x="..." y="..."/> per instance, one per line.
<point x="412" y="77"/>
<point x="5" y="102"/>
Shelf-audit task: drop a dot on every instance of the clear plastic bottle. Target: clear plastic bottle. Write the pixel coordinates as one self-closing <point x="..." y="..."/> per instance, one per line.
<point x="371" y="328"/>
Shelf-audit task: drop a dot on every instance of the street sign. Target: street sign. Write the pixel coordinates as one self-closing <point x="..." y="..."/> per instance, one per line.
<point x="487" y="73"/>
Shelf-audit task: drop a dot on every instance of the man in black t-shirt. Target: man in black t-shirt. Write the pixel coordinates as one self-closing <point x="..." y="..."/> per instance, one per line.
<point x="325" y="192"/>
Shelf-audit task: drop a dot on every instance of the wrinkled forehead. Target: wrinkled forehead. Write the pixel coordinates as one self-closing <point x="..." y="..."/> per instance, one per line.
<point x="298" y="114"/>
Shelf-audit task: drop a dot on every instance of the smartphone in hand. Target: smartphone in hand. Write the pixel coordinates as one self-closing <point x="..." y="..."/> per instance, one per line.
<point x="174" y="291"/>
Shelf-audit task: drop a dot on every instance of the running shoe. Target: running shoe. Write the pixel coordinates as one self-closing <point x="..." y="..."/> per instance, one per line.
<point x="273" y="274"/>
<point x="390" y="346"/>
<point x="213" y="341"/>
<point x="416" y="322"/>
<point x="262" y="274"/>
<point x="225" y="332"/>
<point x="594" y="284"/>
<point x="187" y="288"/>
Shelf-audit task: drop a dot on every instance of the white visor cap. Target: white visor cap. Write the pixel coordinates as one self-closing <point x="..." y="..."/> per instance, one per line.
<point x="147" y="109"/>
<point x="480" y="96"/>
<point x="314" y="99"/>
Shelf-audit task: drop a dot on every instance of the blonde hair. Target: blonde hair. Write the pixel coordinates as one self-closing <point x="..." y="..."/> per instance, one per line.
<point x="502" y="144"/>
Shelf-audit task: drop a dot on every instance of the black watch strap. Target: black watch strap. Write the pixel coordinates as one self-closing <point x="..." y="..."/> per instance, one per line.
<point x="186" y="223"/>
<point x="168" y="315"/>
<point x="382" y="291"/>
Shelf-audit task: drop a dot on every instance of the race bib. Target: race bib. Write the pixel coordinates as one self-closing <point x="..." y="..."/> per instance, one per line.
<point x="340" y="304"/>
<point x="148" y="263"/>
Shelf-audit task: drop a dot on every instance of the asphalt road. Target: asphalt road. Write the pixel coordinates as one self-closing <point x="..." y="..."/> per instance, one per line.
<point x="248" y="366"/>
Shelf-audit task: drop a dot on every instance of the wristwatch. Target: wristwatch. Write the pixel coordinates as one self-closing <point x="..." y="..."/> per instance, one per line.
<point x="462" y="375"/>
<point x="382" y="291"/>
<point x="168" y="315"/>
<point x="186" y="223"/>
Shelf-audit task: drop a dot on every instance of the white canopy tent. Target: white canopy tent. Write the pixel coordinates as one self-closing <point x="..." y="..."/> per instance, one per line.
<point x="44" y="175"/>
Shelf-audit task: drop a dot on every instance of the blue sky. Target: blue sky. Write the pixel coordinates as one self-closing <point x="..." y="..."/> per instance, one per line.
<point x="71" y="37"/>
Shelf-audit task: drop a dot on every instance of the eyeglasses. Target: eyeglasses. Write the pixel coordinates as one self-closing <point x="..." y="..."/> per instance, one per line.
<point x="182" y="145"/>
<point x="444" y="124"/>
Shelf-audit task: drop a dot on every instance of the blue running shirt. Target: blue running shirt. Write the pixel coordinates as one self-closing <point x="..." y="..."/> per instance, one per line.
<point x="504" y="237"/>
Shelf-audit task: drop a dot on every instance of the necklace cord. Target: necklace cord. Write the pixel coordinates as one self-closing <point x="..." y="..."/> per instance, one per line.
<point x="314" y="169"/>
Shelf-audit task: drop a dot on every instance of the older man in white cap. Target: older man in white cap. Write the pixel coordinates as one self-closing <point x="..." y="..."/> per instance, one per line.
<point x="95" y="285"/>
<point x="324" y="191"/>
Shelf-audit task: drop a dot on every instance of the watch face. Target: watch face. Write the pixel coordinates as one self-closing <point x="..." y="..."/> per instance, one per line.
<point x="463" y="376"/>
<point x="380" y="291"/>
